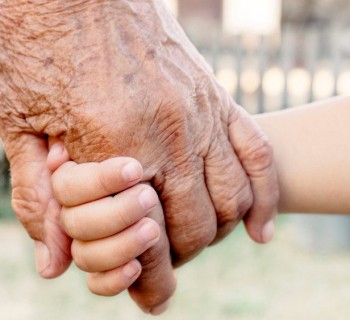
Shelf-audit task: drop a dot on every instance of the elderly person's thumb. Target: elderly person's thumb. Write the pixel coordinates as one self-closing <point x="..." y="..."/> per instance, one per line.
<point x="34" y="203"/>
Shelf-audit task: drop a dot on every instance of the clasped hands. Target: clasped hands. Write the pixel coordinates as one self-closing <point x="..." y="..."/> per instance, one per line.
<point x="121" y="79"/>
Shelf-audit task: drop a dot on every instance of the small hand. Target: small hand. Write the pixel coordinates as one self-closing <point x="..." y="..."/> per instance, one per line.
<point x="112" y="233"/>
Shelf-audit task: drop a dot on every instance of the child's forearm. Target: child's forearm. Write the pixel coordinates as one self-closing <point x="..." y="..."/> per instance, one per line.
<point x="312" y="152"/>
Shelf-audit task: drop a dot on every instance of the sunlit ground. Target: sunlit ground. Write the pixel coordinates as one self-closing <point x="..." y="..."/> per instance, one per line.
<point x="235" y="280"/>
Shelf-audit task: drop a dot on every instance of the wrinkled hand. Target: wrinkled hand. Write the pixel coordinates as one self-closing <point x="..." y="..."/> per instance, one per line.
<point x="120" y="78"/>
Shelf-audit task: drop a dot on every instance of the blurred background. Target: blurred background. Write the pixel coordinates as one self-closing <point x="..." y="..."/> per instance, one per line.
<point x="270" y="55"/>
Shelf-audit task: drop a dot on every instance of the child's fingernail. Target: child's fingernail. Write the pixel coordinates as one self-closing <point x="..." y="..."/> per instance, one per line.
<point x="148" y="232"/>
<point x="148" y="199"/>
<point x="161" y="308"/>
<point x="42" y="257"/>
<point x="132" y="171"/>
<point x="268" y="231"/>
<point x="132" y="269"/>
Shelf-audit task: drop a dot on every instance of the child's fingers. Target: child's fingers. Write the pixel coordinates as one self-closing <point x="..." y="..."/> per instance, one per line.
<point x="108" y="216"/>
<point x="113" y="282"/>
<point x="75" y="184"/>
<point x="112" y="252"/>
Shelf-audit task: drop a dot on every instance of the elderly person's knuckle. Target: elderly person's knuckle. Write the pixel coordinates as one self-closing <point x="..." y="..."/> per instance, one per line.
<point x="20" y="203"/>
<point x="153" y="257"/>
<point x="244" y="201"/>
<point x="170" y="115"/>
<point x="204" y="235"/>
<point x="29" y="210"/>
<point x="236" y="205"/>
<point x="260" y="153"/>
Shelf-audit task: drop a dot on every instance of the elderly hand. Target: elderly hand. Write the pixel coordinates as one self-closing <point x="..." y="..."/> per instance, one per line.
<point x="120" y="78"/>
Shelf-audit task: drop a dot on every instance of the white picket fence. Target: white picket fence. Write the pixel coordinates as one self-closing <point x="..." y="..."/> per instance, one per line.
<point x="302" y="65"/>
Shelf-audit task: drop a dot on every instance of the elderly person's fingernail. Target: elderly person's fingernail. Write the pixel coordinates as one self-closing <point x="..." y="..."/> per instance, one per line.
<point x="268" y="231"/>
<point x="42" y="257"/>
<point x="161" y="308"/>
<point x="132" y="171"/>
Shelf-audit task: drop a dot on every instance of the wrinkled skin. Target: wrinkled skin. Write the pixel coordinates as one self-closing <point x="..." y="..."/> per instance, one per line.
<point x="120" y="78"/>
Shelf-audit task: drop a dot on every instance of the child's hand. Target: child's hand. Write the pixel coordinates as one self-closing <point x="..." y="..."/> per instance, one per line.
<point x="110" y="232"/>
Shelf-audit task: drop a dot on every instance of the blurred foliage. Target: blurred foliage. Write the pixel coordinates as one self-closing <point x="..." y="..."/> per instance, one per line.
<point x="5" y="202"/>
<point x="4" y="170"/>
